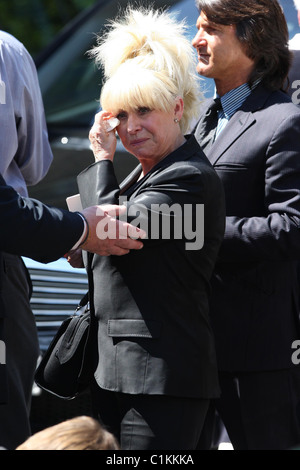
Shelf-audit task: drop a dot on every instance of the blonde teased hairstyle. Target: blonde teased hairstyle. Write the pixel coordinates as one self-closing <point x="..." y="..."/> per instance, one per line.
<point x="297" y="4"/>
<point x="147" y="62"/>
<point x="80" y="433"/>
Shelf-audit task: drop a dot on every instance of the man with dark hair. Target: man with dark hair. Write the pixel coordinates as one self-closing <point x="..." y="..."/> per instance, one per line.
<point x="253" y="142"/>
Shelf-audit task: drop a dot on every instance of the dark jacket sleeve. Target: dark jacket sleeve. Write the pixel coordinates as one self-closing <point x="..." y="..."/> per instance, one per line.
<point x="30" y="228"/>
<point x="163" y="206"/>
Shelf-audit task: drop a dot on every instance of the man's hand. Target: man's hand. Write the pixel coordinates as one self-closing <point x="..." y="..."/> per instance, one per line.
<point x="108" y="235"/>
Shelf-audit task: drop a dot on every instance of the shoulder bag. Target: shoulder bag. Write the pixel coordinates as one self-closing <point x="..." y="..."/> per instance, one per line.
<point x="66" y="369"/>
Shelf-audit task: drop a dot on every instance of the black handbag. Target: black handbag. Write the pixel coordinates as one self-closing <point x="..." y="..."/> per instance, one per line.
<point x="66" y="368"/>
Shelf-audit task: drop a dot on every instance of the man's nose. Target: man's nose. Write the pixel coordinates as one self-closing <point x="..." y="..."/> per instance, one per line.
<point x="199" y="40"/>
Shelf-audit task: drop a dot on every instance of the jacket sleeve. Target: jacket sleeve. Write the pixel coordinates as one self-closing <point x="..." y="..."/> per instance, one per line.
<point x="25" y="151"/>
<point x="34" y="155"/>
<point x="30" y="228"/>
<point x="168" y="205"/>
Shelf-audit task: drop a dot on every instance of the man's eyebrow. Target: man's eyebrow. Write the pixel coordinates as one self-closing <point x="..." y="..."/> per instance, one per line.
<point x="206" y="22"/>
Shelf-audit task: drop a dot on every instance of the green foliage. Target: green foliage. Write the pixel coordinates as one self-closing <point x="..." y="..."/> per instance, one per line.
<point x="36" y="22"/>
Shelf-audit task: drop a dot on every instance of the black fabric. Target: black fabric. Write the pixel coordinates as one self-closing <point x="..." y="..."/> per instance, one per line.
<point x="155" y="285"/>
<point x="21" y="350"/>
<point x="256" y="419"/>
<point x="150" y="422"/>
<point x="208" y="126"/>
<point x="35" y="230"/>
<point x="255" y="288"/>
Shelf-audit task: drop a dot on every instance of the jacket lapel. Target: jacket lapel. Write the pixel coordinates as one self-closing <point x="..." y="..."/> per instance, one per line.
<point x="237" y="125"/>
<point x="132" y="182"/>
<point x="242" y="120"/>
<point x="200" y="126"/>
<point x="130" y="179"/>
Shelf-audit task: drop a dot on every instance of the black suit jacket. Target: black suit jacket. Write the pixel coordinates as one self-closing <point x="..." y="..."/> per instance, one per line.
<point x="31" y="229"/>
<point x="154" y="333"/>
<point x="254" y="304"/>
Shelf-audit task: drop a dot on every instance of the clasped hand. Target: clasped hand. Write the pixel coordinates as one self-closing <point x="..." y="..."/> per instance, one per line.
<point x="107" y="234"/>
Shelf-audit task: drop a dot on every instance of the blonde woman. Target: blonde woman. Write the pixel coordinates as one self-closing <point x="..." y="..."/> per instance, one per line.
<point x="155" y="369"/>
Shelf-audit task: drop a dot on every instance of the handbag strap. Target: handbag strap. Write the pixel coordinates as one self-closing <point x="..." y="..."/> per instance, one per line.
<point x="85" y="300"/>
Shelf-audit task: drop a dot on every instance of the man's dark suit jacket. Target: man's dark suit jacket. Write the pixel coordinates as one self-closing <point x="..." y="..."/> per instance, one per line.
<point x="294" y="78"/>
<point x="294" y="92"/>
<point x="254" y="306"/>
<point x="31" y="229"/>
<point x="154" y="334"/>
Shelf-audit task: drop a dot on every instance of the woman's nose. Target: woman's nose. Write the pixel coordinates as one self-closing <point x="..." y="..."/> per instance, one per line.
<point x="133" y="123"/>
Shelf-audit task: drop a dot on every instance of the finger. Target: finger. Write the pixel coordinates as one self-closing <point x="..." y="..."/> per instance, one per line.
<point x="115" y="251"/>
<point x="130" y="244"/>
<point x="119" y="228"/>
<point x="126" y="230"/>
<point x="113" y="210"/>
<point x="99" y="117"/>
<point x="120" y="251"/>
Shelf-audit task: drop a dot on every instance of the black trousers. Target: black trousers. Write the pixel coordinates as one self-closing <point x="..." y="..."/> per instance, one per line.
<point x="150" y="422"/>
<point x="22" y="351"/>
<point x="260" y="410"/>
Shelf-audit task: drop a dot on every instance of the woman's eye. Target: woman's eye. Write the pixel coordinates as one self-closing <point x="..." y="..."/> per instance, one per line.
<point x="122" y="115"/>
<point x="144" y="110"/>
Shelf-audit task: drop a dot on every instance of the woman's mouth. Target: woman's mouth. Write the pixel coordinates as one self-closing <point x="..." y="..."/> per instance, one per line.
<point x="137" y="142"/>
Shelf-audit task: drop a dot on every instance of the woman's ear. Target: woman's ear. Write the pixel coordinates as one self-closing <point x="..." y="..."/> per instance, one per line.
<point x="179" y="107"/>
